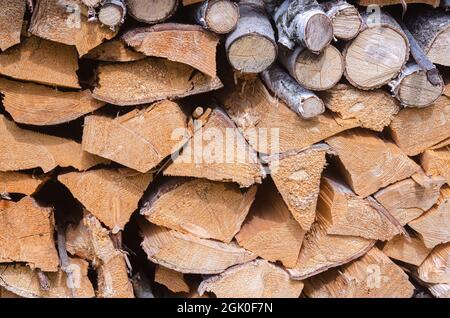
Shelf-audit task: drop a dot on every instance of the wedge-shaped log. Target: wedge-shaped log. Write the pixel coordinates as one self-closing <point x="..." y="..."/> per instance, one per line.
<point x="173" y="280"/>
<point x="152" y="11"/>
<point x="114" y="51"/>
<point x="133" y="139"/>
<point x="187" y="254"/>
<point x="345" y="18"/>
<point x="437" y="162"/>
<point x="372" y="276"/>
<point x="408" y="250"/>
<point x="206" y="209"/>
<point x="11" y="19"/>
<point x="256" y="279"/>
<point x="436" y="267"/>
<point x="15" y="182"/>
<point x="369" y="162"/>
<point x="111" y="195"/>
<point x="112" y="279"/>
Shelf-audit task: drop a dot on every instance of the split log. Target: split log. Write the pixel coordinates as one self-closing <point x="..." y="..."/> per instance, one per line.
<point x="251" y="47"/>
<point x="322" y="251"/>
<point x="187" y="254"/>
<point x="132" y="139"/>
<point x="436" y="267"/>
<point x="373" y="109"/>
<point x="317" y="72"/>
<point x="27" y="235"/>
<point x="113" y="51"/>
<point x="41" y="61"/>
<point x="434" y="225"/>
<point x="408" y="250"/>
<point x="299" y="99"/>
<point x="112" y="13"/>
<point x="365" y="3"/>
<point x="341" y="208"/>
<point x="217" y="151"/>
<point x="297" y="177"/>
<point x="34" y="104"/>
<point x="183" y="43"/>
<point x="377" y="54"/>
<point x="437" y="162"/>
<point x="219" y="16"/>
<point x="152" y="11"/>
<point x="11" y="19"/>
<point x="414" y="130"/>
<point x="406" y="200"/>
<point x="372" y="276"/>
<point x="268" y="221"/>
<point x="431" y="29"/>
<point x="23" y="281"/>
<point x="413" y="89"/>
<point x="22" y="149"/>
<point x="173" y="280"/>
<point x="206" y="209"/>
<point x="15" y="182"/>
<point x="368" y="162"/>
<point x="111" y="195"/>
<point x="256" y="279"/>
<point x="152" y="79"/>
<point x="345" y="18"/>
<point x="112" y="279"/>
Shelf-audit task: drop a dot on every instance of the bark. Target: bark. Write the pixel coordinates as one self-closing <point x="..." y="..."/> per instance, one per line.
<point x="219" y="16"/>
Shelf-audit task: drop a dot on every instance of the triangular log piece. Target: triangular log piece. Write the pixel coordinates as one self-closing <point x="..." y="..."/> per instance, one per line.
<point x="408" y="250"/>
<point x="173" y="280"/>
<point x="437" y="162"/>
<point x="436" y="267"/>
<point x="15" y="182"/>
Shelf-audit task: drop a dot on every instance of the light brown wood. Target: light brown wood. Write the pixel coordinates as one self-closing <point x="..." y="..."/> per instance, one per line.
<point x="27" y="234"/>
<point x="436" y="267"/>
<point x="369" y="162"/>
<point x="114" y="51"/>
<point x="152" y="79"/>
<point x="111" y="195"/>
<point x="15" y="182"/>
<point x="11" y="19"/>
<point x="345" y="18"/>
<point x="188" y="2"/>
<point x="113" y="281"/>
<point x="256" y="279"/>
<point x="112" y="13"/>
<point x="219" y="16"/>
<point x="270" y="231"/>
<point x="152" y="11"/>
<point x="183" y="43"/>
<point x="206" y="209"/>
<point x="372" y="276"/>
<point x="186" y="253"/>
<point x="4" y="293"/>
<point x="135" y="139"/>
<point x="437" y="162"/>
<point x="415" y="130"/>
<point x="409" y="250"/>
<point x="41" y="61"/>
<point x="173" y="280"/>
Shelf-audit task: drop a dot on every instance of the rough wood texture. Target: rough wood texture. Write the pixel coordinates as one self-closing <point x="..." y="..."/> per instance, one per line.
<point x="22" y="149"/>
<point x="217" y="151"/>
<point x="270" y="231"/>
<point x="113" y="281"/>
<point x="113" y="51"/>
<point x="111" y="195"/>
<point x="151" y="79"/>
<point x="173" y="280"/>
<point x="414" y="130"/>
<point x="4" y="293"/>
<point x="437" y="162"/>
<point x="372" y="276"/>
<point x="27" y="234"/>
<point x="133" y="139"/>
<point x="373" y="109"/>
<point x="187" y="254"/>
<point x="256" y="279"/>
<point x="34" y="104"/>
<point x="408" y="250"/>
<point x="436" y="267"/>
<point x="11" y="19"/>
<point x="183" y="43"/>
<point x="112" y="13"/>
<point x="366" y="3"/>
<point x="206" y="209"/>
<point x="152" y="11"/>
<point x="345" y="18"/>
<point x="15" y="182"/>
<point x="369" y="162"/>
<point x="41" y="61"/>
<point x="23" y="281"/>
<point x="219" y="16"/>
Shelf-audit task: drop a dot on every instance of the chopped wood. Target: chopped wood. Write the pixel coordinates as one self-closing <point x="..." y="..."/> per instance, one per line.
<point x="4" y="293"/>
<point x="111" y="195"/>
<point x="437" y="162"/>
<point x="133" y="139"/>
<point x="114" y="51"/>
<point x="113" y="281"/>
<point x="270" y="231"/>
<point x="219" y="16"/>
<point x="112" y="13"/>
<point x="189" y="2"/>
<point x="186" y="253"/>
<point x="409" y="250"/>
<point x="436" y="267"/>
<point x="344" y="17"/>
<point x="206" y="209"/>
<point x="150" y="80"/>
<point x="256" y="279"/>
<point x="15" y="182"/>
<point x="11" y="19"/>
<point x="152" y="11"/>
<point x="173" y="280"/>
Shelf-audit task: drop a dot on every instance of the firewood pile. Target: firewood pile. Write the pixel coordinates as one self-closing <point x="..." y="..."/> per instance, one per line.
<point x="253" y="148"/>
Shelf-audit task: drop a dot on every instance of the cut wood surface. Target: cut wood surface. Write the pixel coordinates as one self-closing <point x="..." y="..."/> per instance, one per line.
<point x="204" y="208"/>
<point x="409" y="250"/>
<point x="152" y="11"/>
<point x="27" y="234"/>
<point x="112" y="13"/>
<point x="173" y="280"/>
<point x="112" y="279"/>
<point x="15" y="182"/>
<point x="437" y="162"/>
<point x="219" y="16"/>
<point x="369" y="162"/>
<point x="415" y="130"/>
<point x="150" y="80"/>
<point x="34" y="104"/>
<point x="133" y="139"/>
<point x="22" y="149"/>
<point x="184" y="43"/>
<point x="11" y="19"/>
<point x="270" y="231"/>
<point x="111" y="195"/>
<point x="345" y="18"/>
<point x="372" y="276"/>
<point x="41" y="61"/>
<point x="436" y="267"/>
<point x="113" y="51"/>
<point x="186" y="253"/>
<point x="256" y="279"/>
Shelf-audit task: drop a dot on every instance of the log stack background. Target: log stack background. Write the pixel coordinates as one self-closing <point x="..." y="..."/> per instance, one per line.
<point x="337" y="183"/>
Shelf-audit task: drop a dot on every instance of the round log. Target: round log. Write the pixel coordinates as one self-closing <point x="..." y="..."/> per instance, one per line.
<point x="345" y="19"/>
<point x="219" y="16"/>
<point x="112" y="13"/>
<point x="152" y="11"/>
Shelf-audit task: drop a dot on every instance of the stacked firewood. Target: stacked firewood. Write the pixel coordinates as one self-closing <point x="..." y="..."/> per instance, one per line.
<point x="253" y="148"/>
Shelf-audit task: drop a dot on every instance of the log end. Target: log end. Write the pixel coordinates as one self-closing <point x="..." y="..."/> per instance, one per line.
<point x="222" y="16"/>
<point x="318" y="32"/>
